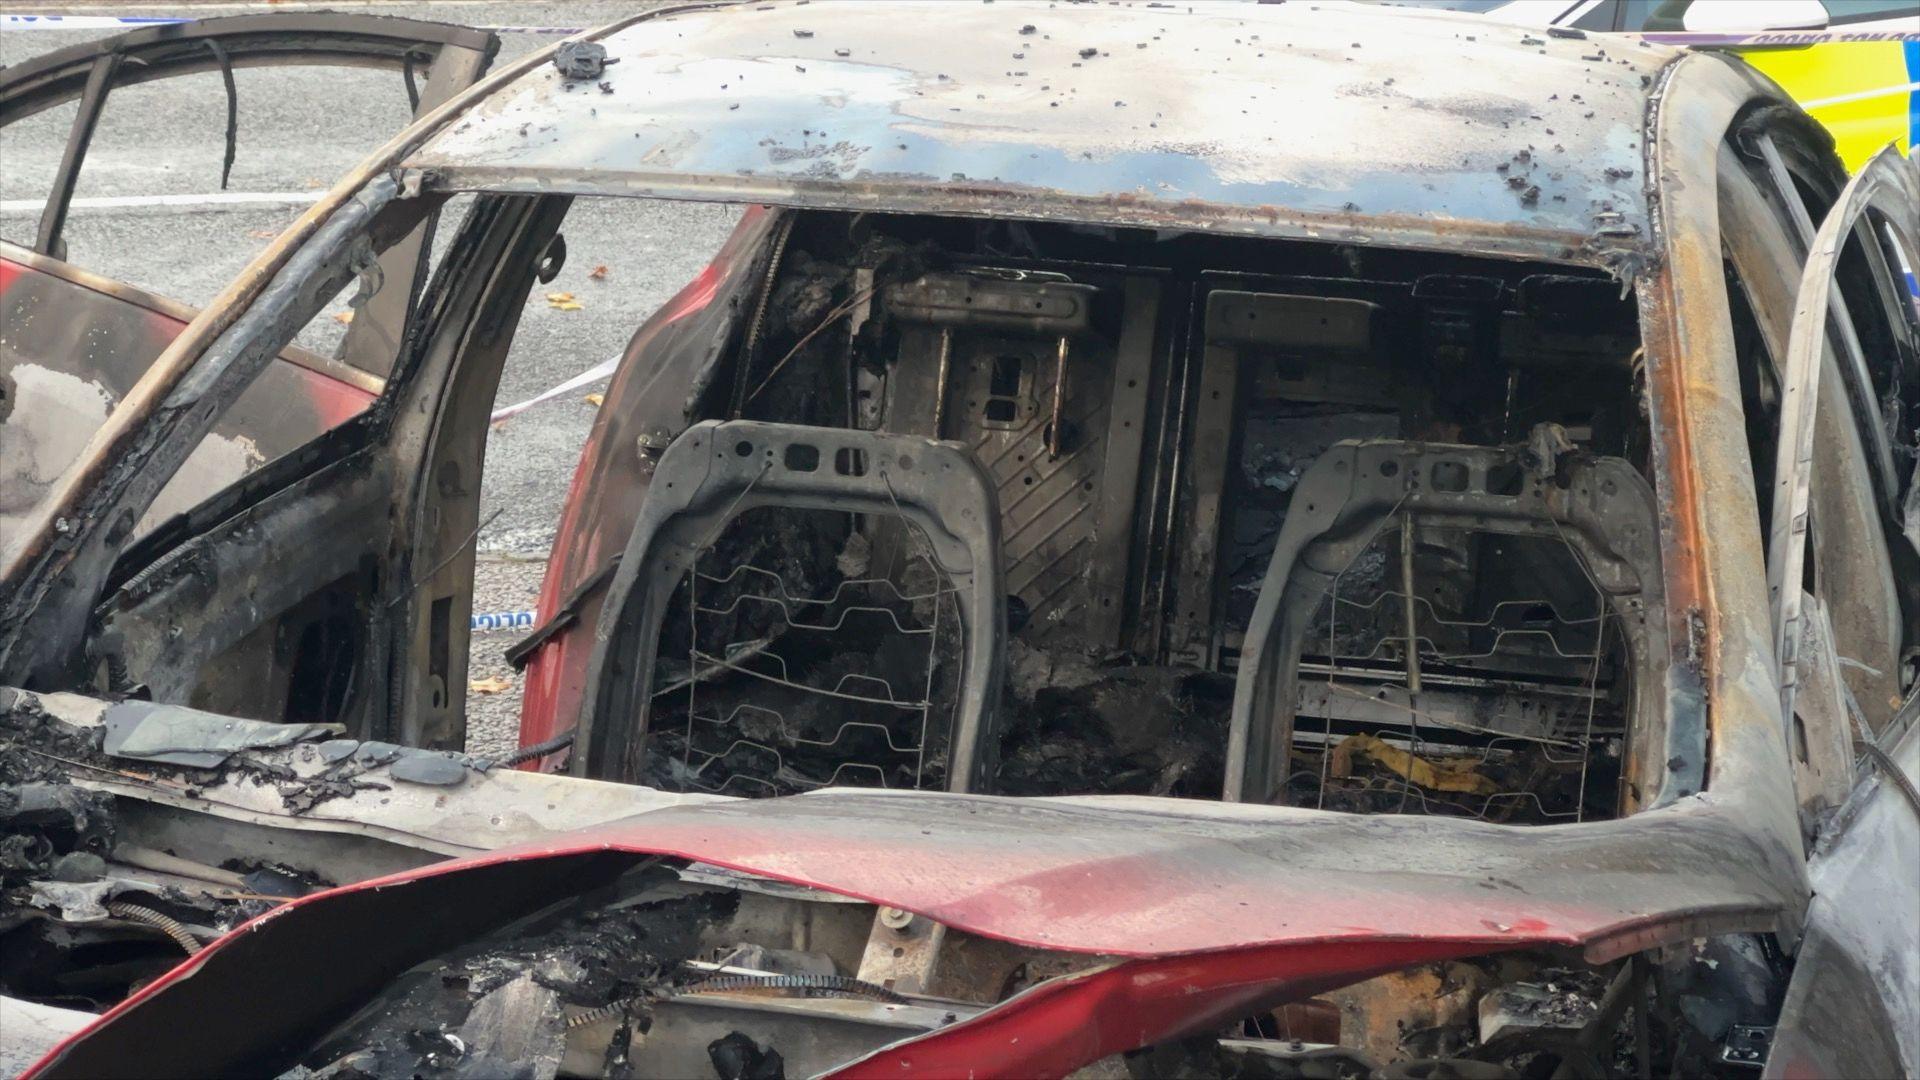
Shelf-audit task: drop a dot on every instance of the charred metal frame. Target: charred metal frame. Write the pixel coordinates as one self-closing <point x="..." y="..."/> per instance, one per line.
<point x="53" y="216"/>
<point x="717" y="470"/>
<point x="46" y="613"/>
<point x="1887" y="187"/>
<point x="91" y="70"/>
<point x="52" y="580"/>
<point x="1853" y="360"/>
<point x="880" y="169"/>
<point x="1855" y="580"/>
<point x="1601" y="508"/>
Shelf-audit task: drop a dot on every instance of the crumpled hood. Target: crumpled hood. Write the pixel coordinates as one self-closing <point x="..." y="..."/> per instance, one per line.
<point x="1221" y="908"/>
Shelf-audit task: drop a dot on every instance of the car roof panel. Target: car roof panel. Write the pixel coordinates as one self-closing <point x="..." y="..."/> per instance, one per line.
<point x="1333" y="120"/>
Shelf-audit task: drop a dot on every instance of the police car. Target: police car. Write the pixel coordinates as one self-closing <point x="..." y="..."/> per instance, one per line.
<point x="1853" y="64"/>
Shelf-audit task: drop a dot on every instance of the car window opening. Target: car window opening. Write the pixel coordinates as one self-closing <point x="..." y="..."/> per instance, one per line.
<point x="1152" y="410"/>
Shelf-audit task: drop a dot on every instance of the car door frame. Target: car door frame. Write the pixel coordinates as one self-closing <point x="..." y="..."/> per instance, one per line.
<point x="1889" y="187"/>
<point x="453" y="56"/>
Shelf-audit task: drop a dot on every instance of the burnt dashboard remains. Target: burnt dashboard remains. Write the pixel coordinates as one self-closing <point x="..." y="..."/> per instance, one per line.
<point x="1030" y="509"/>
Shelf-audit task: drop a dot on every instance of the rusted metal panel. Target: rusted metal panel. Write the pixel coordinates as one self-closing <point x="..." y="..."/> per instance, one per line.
<point x="1041" y="398"/>
<point x="1191" y="624"/>
<point x="1108" y="569"/>
<point x="1722" y="676"/>
<point x="1520" y="145"/>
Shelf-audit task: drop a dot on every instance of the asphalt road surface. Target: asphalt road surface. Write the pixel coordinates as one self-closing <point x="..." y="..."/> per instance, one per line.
<point x="299" y="129"/>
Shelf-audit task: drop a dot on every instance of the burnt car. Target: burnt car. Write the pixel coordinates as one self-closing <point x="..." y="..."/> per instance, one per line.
<point x="1113" y="567"/>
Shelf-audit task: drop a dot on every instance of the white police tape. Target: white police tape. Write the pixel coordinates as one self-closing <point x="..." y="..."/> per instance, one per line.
<point x="11" y="21"/>
<point x="502" y="620"/>
<point x="595" y="373"/>
<point x="83" y="22"/>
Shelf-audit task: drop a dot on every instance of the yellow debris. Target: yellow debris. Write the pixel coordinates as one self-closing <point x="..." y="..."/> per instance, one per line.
<point x="492" y="684"/>
<point x="1438" y="774"/>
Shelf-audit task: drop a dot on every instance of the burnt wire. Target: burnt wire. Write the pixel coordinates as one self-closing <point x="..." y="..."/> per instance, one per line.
<point x="442" y="564"/>
<point x="408" y="73"/>
<point x="839" y="312"/>
<point x="700" y="663"/>
<point x="1593" y="678"/>
<point x="233" y="109"/>
<point x="148" y="917"/>
<point x="847" y="688"/>
<point x="537" y="750"/>
<point x="1893" y="772"/>
<point x="757" y="326"/>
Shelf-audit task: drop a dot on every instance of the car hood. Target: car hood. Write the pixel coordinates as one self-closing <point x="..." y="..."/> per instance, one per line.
<point x="1205" y="909"/>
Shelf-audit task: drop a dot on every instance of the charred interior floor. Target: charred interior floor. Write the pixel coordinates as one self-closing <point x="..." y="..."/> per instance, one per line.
<point x="1147" y="406"/>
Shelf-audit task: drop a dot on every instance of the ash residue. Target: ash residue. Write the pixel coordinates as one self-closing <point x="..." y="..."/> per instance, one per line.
<point x="45" y="822"/>
<point x="1131" y="731"/>
<point x="584" y="954"/>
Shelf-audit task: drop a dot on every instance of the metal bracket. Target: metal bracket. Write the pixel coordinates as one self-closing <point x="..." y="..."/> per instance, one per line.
<point x="903" y="951"/>
<point x="1747" y="1046"/>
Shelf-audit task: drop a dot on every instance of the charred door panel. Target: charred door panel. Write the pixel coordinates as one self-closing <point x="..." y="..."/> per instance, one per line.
<point x="74" y="343"/>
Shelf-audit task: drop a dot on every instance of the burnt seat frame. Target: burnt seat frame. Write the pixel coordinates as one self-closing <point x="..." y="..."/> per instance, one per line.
<point x="716" y="471"/>
<point x="1601" y="507"/>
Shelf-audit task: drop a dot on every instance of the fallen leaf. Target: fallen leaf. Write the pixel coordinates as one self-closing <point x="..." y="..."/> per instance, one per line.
<point x="596" y="399"/>
<point x="598" y="273"/>
<point x="562" y="301"/>
<point x="492" y="684"/>
<point x="343" y="317"/>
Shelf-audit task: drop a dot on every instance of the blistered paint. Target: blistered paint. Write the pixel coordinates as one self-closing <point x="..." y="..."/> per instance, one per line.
<point x="1256" y="119"/>
<point x="54" y="413"/>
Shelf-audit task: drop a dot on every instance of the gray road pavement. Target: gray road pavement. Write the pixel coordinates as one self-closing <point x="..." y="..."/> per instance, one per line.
<point x="298" y="130"/>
